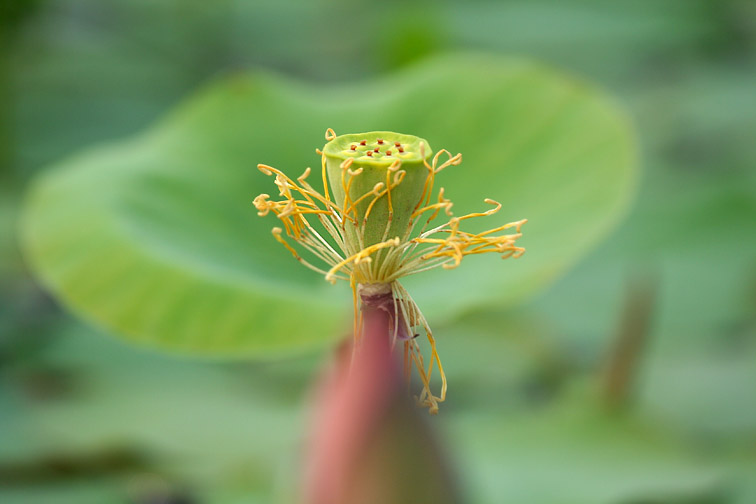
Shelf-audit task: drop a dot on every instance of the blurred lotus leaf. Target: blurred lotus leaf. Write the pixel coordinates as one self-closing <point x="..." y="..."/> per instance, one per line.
<point x="156" y="238"/>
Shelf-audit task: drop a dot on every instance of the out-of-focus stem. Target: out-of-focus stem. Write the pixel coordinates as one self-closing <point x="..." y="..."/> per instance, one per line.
<point x="633" y="332"/>
<point x="369" y="444"/>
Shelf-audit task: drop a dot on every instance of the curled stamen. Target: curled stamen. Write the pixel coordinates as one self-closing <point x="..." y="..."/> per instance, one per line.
<point x="262" y="204"/>
<point x="265" y="169"/>
<point x="304" y="175"/>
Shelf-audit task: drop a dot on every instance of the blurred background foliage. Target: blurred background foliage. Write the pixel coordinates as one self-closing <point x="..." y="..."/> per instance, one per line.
<point x="152" y="237"/>
<point x="632" y="380"/>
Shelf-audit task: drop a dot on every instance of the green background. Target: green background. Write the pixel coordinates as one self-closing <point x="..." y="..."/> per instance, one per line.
<point x="86" y="418"/>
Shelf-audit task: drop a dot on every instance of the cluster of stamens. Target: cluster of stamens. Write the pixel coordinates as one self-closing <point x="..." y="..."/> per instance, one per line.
<point x="383" y="263"/>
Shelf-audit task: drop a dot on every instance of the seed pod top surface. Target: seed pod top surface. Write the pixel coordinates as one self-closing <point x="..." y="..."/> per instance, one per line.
<point x="379" y="148"/>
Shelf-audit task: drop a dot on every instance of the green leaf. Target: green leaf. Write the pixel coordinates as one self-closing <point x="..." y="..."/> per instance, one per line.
<point x="155" y="238"/>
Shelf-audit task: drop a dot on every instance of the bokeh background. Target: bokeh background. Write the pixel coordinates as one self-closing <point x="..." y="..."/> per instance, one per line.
<point x="632" y="380"/>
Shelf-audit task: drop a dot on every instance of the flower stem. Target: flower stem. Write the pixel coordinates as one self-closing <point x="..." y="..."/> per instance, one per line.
<point x="624" y="359"/>
<point x="369" y="443"/>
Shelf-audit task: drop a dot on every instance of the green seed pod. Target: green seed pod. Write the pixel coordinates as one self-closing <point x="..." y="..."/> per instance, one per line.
<point x="379" y="159"/>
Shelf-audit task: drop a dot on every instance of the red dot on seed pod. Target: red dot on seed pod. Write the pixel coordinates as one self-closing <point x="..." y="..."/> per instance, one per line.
<point x="354" y="147"/>
<point x="376" y="150"/>
<point x="388" y="152"/>
<point x="370" y="153"/>
<point x="397" y="144"/>
<point x="363" y="142"/>
<point x="380" y="141"/>
<point x="401" y="150"/>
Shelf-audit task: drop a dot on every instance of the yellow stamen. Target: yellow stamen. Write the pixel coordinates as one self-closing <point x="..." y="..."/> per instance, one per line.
<point x="361" y="256"/>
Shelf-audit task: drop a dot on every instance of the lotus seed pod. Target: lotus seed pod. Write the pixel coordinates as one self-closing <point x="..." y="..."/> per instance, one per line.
<point x="377" y="206"/>
<point x="378" y="159"/>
